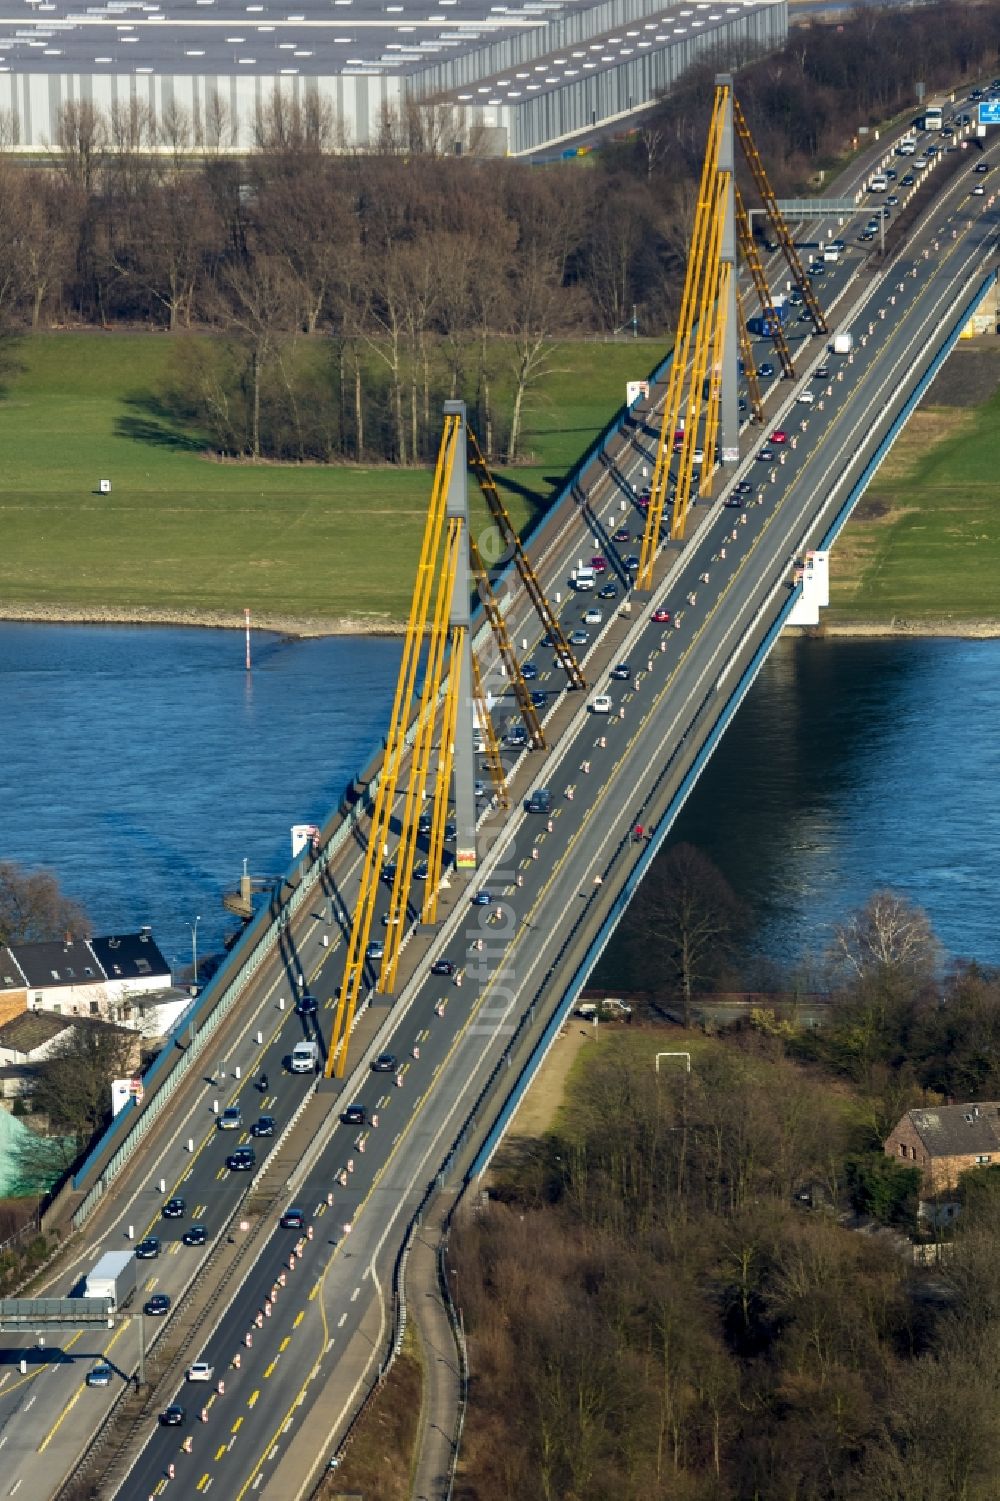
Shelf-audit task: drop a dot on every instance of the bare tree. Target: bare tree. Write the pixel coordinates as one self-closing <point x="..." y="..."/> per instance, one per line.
<point x="256" y="309"/>
<point x="82" y="139"/>
<point x="888" y="935"/>
<point x="33" y="909"/>
<point x="549" y="211"/>
<point x="73" y="1084"/>
<point x="686" y="915"/>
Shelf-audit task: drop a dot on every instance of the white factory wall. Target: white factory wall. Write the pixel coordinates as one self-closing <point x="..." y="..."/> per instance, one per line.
<point x="618" y="91"/>
<point x="31" y="104"/>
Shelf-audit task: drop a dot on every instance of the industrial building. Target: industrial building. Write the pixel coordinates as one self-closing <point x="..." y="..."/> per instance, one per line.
<point x="522" y="78"/>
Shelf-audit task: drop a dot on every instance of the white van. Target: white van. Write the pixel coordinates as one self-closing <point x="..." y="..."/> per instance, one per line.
<point x="879" y="183"/>
<point x="831" y="253"/>
<point x="583" y="580"/>
<point x="907" y="147"/>
<point x="305" y="1057"/>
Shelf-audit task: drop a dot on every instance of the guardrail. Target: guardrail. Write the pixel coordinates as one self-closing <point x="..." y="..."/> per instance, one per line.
<point x="461" y="1350"/>
<point x="188" y="1040"/>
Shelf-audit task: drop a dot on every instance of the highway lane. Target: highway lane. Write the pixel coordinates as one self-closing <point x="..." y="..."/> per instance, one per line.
<point x="209" y="1135"/>
<point x="587" y="826"/>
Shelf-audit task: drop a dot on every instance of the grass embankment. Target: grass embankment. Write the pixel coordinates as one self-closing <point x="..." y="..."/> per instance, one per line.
<point x="182" y="535"/>
<point x="923" y="552"/>
<point x="379" y="1461"/>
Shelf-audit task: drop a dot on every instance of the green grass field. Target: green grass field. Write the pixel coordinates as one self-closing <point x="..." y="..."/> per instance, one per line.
<point x="934" y="552"/>
<point x="181" y="532"/>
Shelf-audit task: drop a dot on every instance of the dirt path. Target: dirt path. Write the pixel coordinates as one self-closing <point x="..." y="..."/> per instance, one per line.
<point x="548" y="1088"/>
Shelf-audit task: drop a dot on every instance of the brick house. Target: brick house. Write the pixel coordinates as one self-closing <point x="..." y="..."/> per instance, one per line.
<point x="945" y="1141"/>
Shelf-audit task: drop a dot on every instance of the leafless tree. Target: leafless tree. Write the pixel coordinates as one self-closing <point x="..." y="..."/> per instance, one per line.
<point x="82" y="140"/>
<point x="257" y="310"/>
<point x="33" y="909"/>
<point x="73" y="1083"/>
<point x="888" y="935"/>
<point x="686" y="915"/>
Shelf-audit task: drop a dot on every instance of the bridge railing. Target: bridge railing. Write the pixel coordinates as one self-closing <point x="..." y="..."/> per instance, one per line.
<point x="185" y="1044"/>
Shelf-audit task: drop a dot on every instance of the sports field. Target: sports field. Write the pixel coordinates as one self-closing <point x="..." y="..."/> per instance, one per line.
<point x="181" y="533"/>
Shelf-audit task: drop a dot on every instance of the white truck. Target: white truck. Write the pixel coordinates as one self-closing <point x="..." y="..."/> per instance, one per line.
<point x="113" y="1277"/>
<point x="843" y="342"/>
<point x="305" y="1057"/>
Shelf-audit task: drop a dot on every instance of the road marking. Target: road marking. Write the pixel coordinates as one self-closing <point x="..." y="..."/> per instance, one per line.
<point x="237" y="1425"/>
<point x="252" y="1399"/>
<point x="314" y="1290"/>
<point x="354" y="1294"/>
<point x="298" y="1318"/>
<point x="204" y="1482"/>
<point x="220" y="1453"/>
<point x="342" y="1321"/>
<point x="255" y="1477"/>
<point x="268" y="1372"/>
<point x="284" y="1344"/>
<point x="55" y="1426"/>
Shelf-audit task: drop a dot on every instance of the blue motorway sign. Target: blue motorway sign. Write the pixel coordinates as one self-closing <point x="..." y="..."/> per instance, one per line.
<point x="989" y="112"/>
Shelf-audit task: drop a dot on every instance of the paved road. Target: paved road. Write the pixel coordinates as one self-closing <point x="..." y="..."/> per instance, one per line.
<point x="543" y="881"/>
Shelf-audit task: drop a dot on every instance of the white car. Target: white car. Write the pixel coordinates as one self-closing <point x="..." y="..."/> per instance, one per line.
<point x="805" y="398"/>
<point x="593" y="617"/>
<point x="200" y="1371"/>
<point x="601" y="704"/>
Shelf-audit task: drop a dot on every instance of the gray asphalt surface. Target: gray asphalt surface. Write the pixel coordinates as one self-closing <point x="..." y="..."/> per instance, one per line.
<point x="541" y="879"/>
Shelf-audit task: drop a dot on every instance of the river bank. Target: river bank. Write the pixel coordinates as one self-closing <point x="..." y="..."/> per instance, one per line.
<point x="306" y="628"/>
<point x="295" y="626"/>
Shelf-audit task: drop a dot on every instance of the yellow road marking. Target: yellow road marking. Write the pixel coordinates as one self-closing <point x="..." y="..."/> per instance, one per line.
<point x="220" y="1451"/>
<point x="270" y="1369"/>
<point x="52" y="1431"/>
<point x="517" y="938"/>
<point x="252" y="1399"/>
<point x="284" y="1344"/>
<point x="237" y="1425"/>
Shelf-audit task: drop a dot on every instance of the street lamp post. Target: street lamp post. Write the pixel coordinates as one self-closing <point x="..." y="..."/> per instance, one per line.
<point x="194" y="949"/>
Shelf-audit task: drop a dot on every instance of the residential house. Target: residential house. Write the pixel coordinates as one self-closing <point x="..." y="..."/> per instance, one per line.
<point x="945" y="1141"/>
<point x="27" y="1040"/>
<point x="13" y="988"/>
<point x="104" y="978"/>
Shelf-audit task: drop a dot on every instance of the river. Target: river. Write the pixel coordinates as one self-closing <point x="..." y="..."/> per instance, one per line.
<point x="144" y="764"/>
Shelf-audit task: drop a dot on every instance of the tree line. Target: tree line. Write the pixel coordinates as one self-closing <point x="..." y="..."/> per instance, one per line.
<point x="671" y="1295"/>
<point x="420" y="275"/>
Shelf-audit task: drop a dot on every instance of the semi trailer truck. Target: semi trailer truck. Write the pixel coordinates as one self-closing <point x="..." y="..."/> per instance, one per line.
<point x="113" y="1277"/>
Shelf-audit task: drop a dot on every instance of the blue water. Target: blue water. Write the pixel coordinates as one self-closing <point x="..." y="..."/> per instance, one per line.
<point x="855" y="765"/>
<point x="144" y="764"/>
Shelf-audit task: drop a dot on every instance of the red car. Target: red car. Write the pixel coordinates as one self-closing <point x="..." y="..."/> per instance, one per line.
<point x="598" y="563"/>
<point x="661" y="616"/>
<point x="778" y="436"/>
